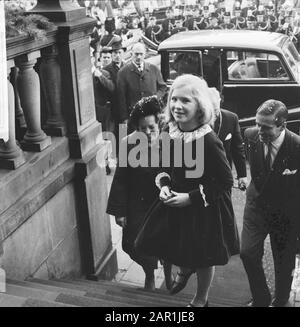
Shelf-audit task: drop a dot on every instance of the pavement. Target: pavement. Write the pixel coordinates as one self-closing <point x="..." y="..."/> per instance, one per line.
<point x="230" y="284"/>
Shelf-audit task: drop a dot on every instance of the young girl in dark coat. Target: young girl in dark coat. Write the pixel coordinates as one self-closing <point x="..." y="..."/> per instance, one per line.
<point x="196" y="214"/>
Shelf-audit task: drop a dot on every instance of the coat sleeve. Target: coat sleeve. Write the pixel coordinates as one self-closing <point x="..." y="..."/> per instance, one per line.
<point x="106" y="81"/>
<point x="118" y="196"/>
<point x="119" y="191"/>
<point x="122" y="89"/>
<point x="220" y="179"/>
<point x="238" y="150"/>
<point x="161" y="85"/>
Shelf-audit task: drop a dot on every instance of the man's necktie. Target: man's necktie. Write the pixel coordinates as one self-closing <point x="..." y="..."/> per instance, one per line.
<point x="139" y="68"/>
<point x="268" y="160"/>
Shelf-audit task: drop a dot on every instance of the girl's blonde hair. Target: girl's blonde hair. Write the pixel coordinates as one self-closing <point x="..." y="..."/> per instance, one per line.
<point x="201" y="94"/>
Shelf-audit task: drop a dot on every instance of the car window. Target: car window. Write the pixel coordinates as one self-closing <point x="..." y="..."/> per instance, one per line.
<point x="184" y="63"/>
<point x="292" y="58"/>
<point x="247" y="66"/>
<point x="204" y="63"/>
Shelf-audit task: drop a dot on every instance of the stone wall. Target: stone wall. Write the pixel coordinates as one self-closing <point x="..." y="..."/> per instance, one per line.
<point x="52" y="217"/>
<point x="46" y="245"/>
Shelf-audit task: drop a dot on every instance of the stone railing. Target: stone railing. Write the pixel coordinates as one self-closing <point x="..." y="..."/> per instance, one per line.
<point x="35" y="82"/>
<point x="33" y="71"/>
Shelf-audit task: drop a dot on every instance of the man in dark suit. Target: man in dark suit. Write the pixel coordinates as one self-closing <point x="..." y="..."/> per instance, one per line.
<point x="153" y="31"/>
<point x="178" y="26"/>
<point x="136" y="80"/>
<point x="249" y="10"/>
<point x="272" y="203"/>
<point x="110" y="27"/>
<point x="103" y="88"/>
<point x="113" y="68"/>
<point x="226" y="126"/>
<point x="214" y="22"/>
<point x="167" y="24"/>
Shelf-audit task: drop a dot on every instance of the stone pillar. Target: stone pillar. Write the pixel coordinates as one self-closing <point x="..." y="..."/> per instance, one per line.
<point x="59" y="10"/>
<point x="21" y="126"/>
<point x="11" y="156"/>
<point x="29" y="89"/>
<point x="50" y="75"/>
<point x="78" y="105"/>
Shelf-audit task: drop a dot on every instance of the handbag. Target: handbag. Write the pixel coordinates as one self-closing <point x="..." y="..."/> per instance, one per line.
<point x="153" y="235"/>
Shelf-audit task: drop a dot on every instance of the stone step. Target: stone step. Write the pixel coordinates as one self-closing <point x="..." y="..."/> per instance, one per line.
<point x="13" y="301"/>
<point x="133" y="292"/>
<point x="212" y="300"/>
<point x="10" y="301"/>
<point x="27" y="292"/>
<point x="85" y="293"/>
<point x="148" y="297"/>
<point x="92" y="291"/>
<point x="45" y="304"/>
<point x="89" y="302"/>
<point x="180" y="298"/>
<point x="62" y="297"/>
<point x="121" y="291"/>
<point x="46" y="287"/>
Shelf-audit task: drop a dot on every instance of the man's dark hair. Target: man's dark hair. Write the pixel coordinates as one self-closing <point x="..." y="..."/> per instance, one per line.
<point x="276" y="108"/>
<point x="105" y="50"/>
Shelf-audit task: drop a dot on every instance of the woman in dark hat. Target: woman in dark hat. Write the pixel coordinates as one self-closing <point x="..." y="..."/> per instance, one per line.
<point x="133" y="188"/>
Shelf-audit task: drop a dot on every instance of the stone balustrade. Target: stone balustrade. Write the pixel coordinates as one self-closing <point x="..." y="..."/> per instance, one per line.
<point x="32" y="76"/>
<point x="35" y="84"/>
<point x="35" y="92"/>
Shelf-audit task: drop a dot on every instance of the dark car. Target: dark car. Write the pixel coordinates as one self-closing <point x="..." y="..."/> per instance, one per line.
<point x="247" y="67"/>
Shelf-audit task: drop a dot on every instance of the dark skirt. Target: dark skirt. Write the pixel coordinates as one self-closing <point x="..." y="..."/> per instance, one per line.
<point x="128" y="239"/>
<point x="190" y="237"/>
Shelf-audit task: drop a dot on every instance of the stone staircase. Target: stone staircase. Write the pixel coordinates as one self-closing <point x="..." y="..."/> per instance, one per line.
<point x="84" y="293"/>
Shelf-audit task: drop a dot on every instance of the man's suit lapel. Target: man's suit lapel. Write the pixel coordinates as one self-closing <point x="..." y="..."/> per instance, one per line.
<point x="146" y="69"/>
<point x="219" y="130"/>
<point x="277" y="167"/>
<point x="281" y="158"/>
<point x="259" y="155"/>
<point x="134" y="69"/>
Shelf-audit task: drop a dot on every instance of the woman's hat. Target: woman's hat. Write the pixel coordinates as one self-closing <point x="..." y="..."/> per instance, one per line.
<point x="147" y="106"/>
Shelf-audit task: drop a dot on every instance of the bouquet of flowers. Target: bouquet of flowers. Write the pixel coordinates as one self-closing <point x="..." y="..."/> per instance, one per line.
<point x="20" y="23"/>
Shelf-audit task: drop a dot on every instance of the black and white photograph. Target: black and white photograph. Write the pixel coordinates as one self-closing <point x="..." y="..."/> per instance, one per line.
<point x="150" y="156"/>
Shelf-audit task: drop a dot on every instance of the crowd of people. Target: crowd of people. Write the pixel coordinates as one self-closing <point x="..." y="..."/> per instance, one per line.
<point x="189" y="221"/>
<point x="158" y="25"/>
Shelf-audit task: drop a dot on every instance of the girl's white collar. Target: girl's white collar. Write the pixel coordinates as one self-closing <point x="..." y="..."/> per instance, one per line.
<point x="175" y="132"/>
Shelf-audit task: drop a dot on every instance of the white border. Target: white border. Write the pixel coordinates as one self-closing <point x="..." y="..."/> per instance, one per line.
<point x="4" y="125"/>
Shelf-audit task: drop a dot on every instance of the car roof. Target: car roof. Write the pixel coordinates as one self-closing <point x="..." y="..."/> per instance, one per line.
<point x="268" y="41"/>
